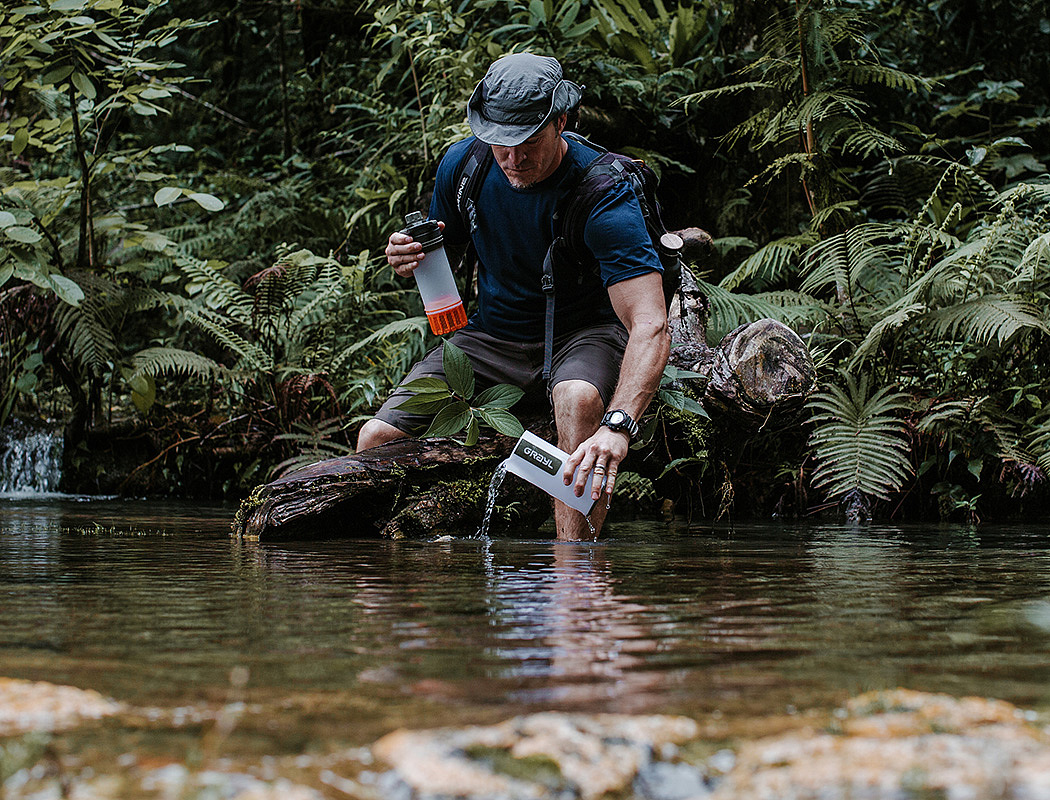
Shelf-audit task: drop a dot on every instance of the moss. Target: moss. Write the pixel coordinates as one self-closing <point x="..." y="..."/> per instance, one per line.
<point x="536" y="769"/>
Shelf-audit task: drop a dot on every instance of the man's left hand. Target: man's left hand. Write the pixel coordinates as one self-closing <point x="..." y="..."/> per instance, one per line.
<point x="599" y="459"/>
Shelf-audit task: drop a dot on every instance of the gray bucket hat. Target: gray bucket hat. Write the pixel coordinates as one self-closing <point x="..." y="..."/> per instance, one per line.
<point x="519" y="94"/>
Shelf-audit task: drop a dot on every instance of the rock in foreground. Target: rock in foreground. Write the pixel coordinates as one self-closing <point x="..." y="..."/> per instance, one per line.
<point x="37" y="706"/>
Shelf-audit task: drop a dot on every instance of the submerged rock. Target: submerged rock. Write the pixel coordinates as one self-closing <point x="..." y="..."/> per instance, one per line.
<point x="900" y="744"/>
<point x="543" y="756"/>
<point x="37" y="706"/>
<point x="888" y="745"/>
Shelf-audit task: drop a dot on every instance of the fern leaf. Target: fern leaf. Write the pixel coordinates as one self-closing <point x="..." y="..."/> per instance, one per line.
<point x="988" y="319"/>
<point x="219" y="329"/>
<point x="216" y="290"/>
<point x="1034" y="263"/>
<point x="860" y="443"/>
<point x="411" y="326"/>
<point x="771" y="263"/>
<point x="157" y="361"/>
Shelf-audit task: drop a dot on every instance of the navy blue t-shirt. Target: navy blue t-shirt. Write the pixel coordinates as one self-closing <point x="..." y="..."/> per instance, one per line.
<point x="515" y="229"/>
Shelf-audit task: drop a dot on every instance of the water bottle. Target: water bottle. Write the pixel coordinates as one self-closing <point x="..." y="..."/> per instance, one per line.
<point x="437" y="287"/>
<point x="541" y="464"/>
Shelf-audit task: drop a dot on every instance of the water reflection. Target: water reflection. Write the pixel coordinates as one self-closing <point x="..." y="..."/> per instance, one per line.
<point x="351" y="638"/>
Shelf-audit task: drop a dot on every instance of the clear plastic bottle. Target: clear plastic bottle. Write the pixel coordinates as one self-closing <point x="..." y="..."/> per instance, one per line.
<point x="437" y="287"/>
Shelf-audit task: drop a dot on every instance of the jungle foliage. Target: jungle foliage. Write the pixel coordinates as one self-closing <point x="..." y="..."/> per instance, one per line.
<point x="194" y="198"/>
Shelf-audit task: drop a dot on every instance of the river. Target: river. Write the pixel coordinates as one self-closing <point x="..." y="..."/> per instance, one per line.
<point x="328" y="645"/>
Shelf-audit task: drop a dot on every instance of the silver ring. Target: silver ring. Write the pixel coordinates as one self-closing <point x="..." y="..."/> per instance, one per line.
<point x="599" y="470"/>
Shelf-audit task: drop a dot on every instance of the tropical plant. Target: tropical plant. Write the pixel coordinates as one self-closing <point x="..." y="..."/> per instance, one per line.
<point x="860" y="443"/>
<point x="454" y="405"/>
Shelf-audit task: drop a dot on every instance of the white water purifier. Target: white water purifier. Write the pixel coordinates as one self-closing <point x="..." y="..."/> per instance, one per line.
<point x="541" y="464"/>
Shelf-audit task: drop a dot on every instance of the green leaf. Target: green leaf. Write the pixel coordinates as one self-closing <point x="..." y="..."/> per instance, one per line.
<point x="67" y="290"/>
<point x="6" y="271"/>
<point x="502" y="396"/>
<point x="425" y="403"/>
<point x="68" y="5"/>
<point x="84" y="85"/>
<point x="21" y="139"/>
<point x="143" y="392"/>
<point x="473" y="432"/>
<point x="208" y="202"/>
<point x="450" y="420"/>
<point x="501" y="421"/>
<point x="22" y="234"/>
<point x="26" y="382"/>
<point x="56" y="75"/>
<point x="426" y="384"/>
<point x="167" y="195"/>
<point x="458" y="372"/>
<point x="7" y="219"/>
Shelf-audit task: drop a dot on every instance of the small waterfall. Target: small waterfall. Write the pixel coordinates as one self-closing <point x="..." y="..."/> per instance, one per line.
<point x="30" y="459"/>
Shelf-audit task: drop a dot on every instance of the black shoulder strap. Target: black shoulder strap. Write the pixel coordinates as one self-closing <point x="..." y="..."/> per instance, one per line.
<point x="471" y="171"/>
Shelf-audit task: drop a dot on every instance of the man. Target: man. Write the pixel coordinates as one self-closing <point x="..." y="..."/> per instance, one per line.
<point x="601" y="319"/>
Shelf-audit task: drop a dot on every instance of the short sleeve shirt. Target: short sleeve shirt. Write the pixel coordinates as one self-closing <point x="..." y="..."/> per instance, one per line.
<point x="515" y="227"/>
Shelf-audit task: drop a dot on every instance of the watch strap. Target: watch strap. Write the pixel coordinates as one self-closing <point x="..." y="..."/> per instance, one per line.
<point x="619" y="420"/>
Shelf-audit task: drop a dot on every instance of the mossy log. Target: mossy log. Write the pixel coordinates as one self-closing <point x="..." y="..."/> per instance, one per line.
<point x="409" y="487"/>
<point x="422" y="488"/>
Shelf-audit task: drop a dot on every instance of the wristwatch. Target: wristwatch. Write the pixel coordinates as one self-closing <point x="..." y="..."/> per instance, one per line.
<point x="620" y="420"/>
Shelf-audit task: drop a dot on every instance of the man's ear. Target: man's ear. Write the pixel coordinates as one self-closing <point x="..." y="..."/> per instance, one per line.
<point x="562" y="121"/>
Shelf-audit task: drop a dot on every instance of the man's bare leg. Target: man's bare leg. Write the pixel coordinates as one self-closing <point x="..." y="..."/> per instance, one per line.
<point x="376" y="432"/>
<point x="578" y="411"/>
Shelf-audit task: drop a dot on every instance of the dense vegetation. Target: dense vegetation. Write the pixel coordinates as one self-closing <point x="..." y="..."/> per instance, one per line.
<point x="194" y="198"/>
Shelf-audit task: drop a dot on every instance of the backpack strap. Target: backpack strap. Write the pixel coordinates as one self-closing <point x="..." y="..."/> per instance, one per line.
<point x="547" y="284"/>
<point x="471" y="171"/>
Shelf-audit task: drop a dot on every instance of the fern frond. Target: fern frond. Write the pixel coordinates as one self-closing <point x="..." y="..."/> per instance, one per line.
<point x="988" y="319"/>
<point x="216" y="290"/>
<point x="860" y="442"/>
<point x="722" y="91"/>
<point x="771" y="263"/>
<point x="411" y="326"/>
<point x="896" y="316"/>
<point x="729" y="310"/>
<point x="841" y="260"/>
<point x="863" y="73"/>
<point x="219" y="329"/>
<point x="157" y="361"/>
<point x="1034" y="266"/>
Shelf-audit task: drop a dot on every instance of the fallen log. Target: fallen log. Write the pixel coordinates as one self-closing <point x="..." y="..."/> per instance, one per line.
<point x="413" y="488"/>
<point x="405" y="488"/>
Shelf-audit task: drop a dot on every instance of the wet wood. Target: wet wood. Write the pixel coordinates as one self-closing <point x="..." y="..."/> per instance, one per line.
<point x="375" y="492"/>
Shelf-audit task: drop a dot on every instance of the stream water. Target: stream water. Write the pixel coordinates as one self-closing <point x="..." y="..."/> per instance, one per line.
<point x="333" y="644"/>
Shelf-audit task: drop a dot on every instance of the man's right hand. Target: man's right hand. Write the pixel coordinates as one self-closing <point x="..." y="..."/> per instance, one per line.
<point x="404" y="253"/>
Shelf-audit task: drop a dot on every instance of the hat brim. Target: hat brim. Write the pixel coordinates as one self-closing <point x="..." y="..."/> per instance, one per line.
<point x="565" y="96"/>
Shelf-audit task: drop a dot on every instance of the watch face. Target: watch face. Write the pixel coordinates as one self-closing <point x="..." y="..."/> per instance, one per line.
<point x="617" y="417"/>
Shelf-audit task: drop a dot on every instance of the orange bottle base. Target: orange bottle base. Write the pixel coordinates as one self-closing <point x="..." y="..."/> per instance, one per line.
<point x="447" y="320"/>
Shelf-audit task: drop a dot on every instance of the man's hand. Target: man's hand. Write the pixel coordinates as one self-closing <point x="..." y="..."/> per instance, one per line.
<point x="598" y="458"/>
<point x="404" y="253"/>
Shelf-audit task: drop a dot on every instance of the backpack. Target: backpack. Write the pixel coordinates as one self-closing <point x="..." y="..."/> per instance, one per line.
<point x="605" y="171"/>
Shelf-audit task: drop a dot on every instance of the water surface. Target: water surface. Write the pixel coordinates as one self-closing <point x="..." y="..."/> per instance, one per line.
<point x="343" y="641"/>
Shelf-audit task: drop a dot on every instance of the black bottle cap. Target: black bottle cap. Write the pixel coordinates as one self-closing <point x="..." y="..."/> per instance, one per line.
<point x="424" y="231"/>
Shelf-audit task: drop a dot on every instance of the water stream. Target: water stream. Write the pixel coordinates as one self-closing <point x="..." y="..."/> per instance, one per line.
<point x="328" y="645"/>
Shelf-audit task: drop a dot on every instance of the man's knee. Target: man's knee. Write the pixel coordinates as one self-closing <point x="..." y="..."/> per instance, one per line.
<point x="376" y="432"/>
<point x="576" y="397"/>
<point x="578" y="409"/>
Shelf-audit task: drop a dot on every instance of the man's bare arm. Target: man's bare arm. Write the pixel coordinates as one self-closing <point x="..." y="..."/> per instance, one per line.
<point x="639" y="303"/>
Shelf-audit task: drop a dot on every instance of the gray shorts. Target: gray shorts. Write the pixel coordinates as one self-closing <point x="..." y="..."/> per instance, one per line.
<point x="591" y="354"/>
